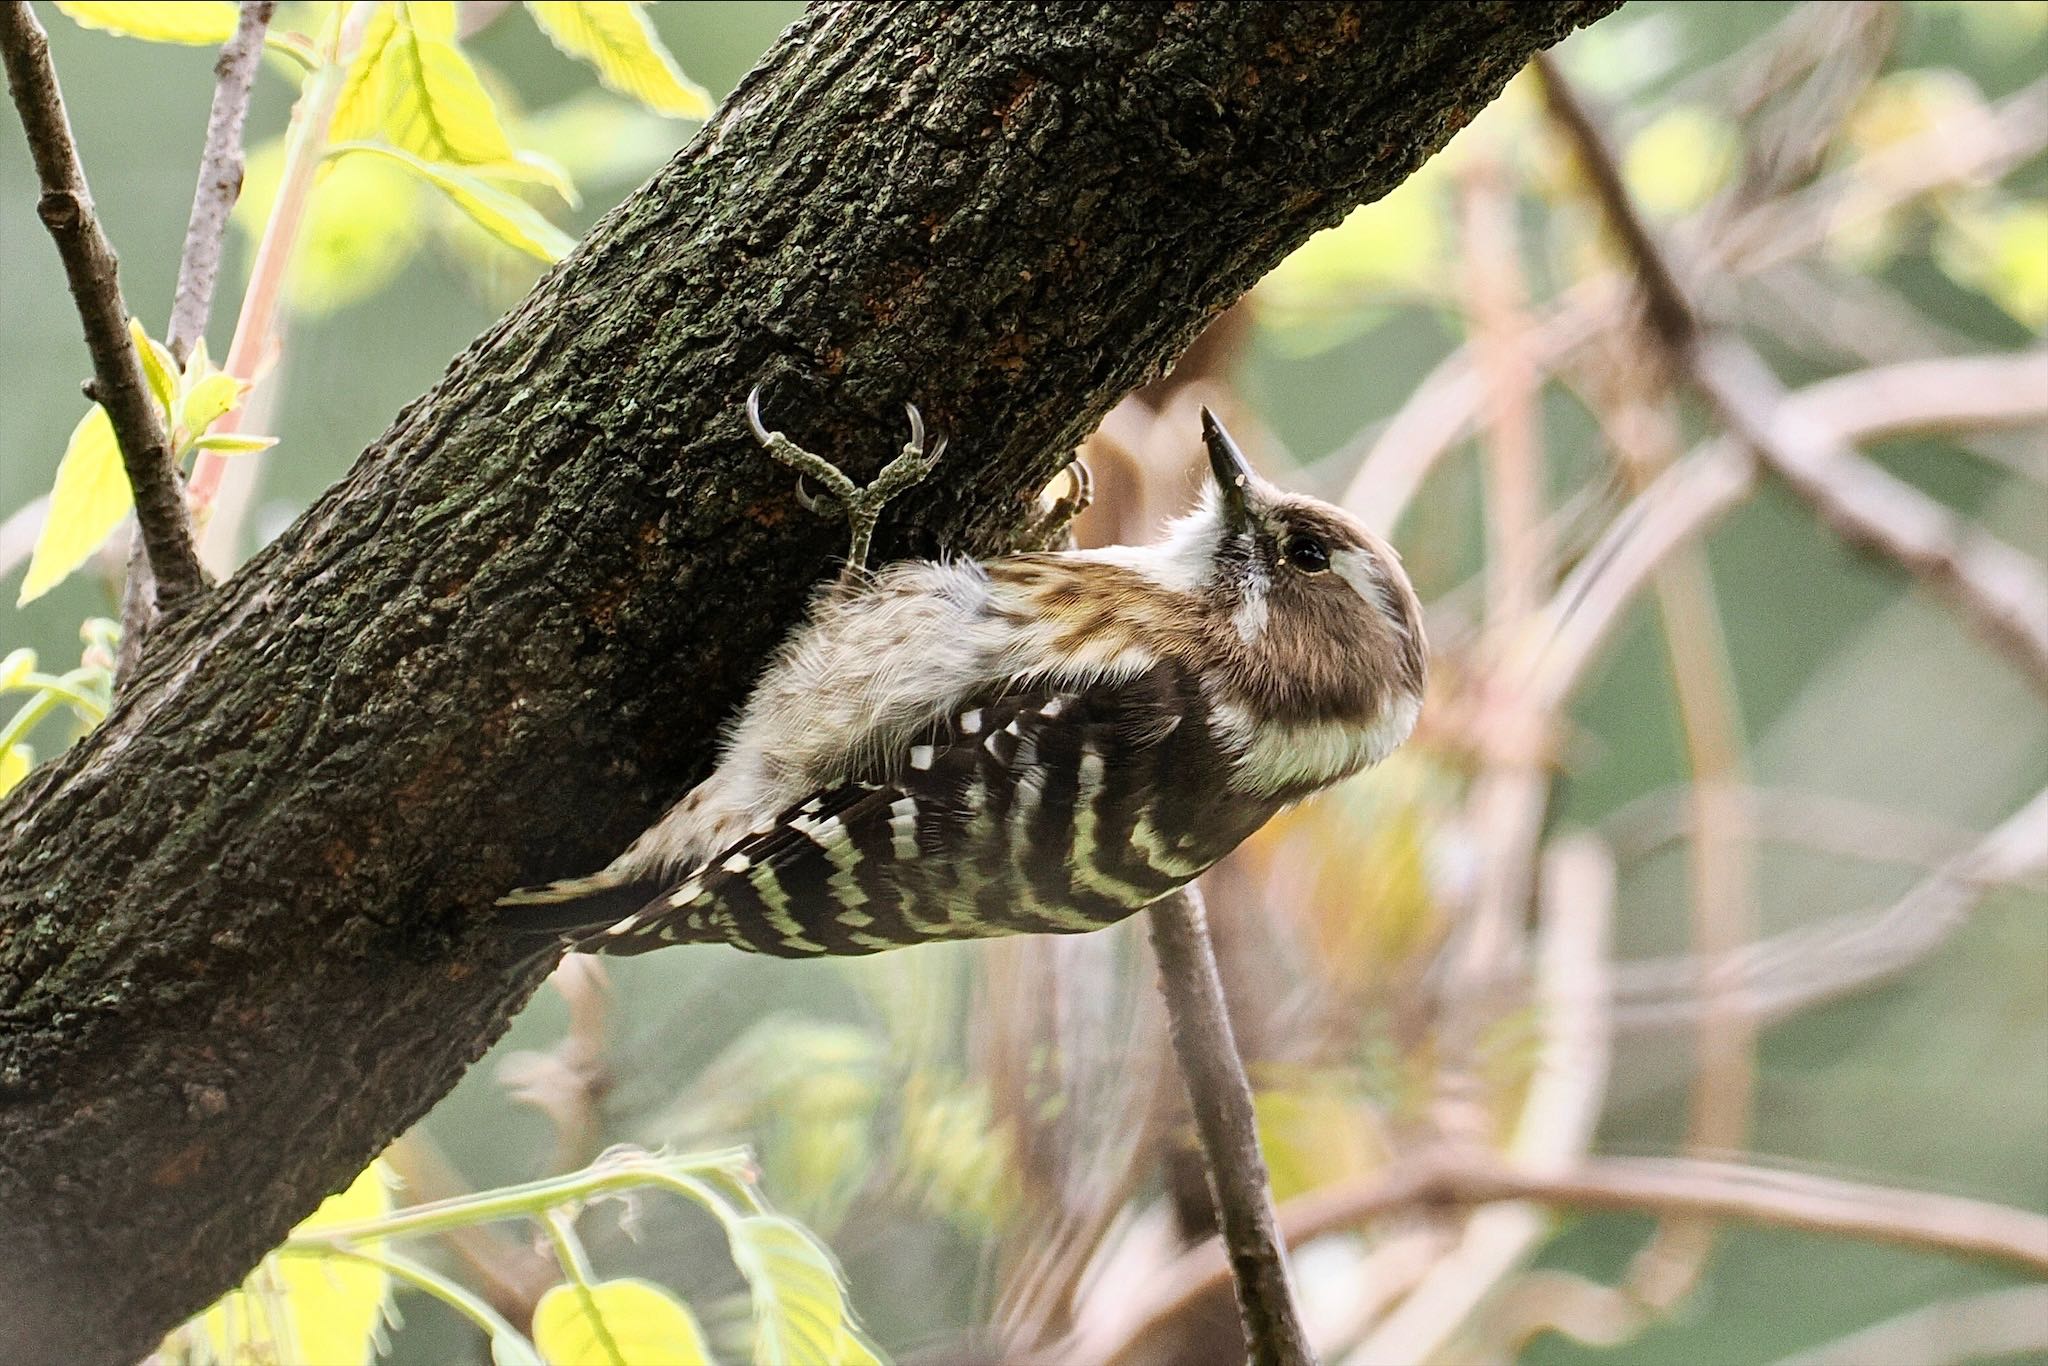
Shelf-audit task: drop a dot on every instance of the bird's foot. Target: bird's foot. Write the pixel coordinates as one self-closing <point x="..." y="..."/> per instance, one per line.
<point x="862" y="507"/>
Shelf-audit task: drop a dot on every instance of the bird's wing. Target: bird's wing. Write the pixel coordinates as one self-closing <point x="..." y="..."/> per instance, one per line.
<point x="1024" y="811"/>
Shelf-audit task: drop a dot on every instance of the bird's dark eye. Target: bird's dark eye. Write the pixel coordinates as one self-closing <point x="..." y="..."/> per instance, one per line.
<point x="1306" y="553"/>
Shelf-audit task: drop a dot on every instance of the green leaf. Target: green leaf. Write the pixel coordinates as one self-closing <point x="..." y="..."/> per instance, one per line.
<point x="361" y="229"/>
<point x="14" y="669"/>
<point x="17" y="763"/>
<point x="2000" y="250"/>
<point x="208" y="399"/>
<point x="359" y="107"/>
<point x="227" y="443"/>
<point x="410" y="84"/>
<point x="295" y="48"/>
<point x="800" y="1316"/>
<point x="434" y="102"/>
<point x="303" y="1308"/>
<point x="509" y="1349"/>
<point x="1681" y="159"/>
<point x="89" y="500"/>
<point x="158" y="367"/>
<point x="505" y="216"/>
<point x="202" y="23"/>
<point x="621" y="44"/>
<point x="617" y="1323"/>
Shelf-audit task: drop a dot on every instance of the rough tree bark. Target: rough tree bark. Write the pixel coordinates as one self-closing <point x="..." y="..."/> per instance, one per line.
<point x="242" y="934"/>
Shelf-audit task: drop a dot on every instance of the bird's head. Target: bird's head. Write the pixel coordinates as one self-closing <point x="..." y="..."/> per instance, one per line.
<point x="1318" y="632"/>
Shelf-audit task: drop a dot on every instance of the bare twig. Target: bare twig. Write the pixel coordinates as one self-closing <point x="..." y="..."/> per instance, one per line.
<point x="1804" y="818"/>
<point x="220" y="178"/>
<point x="1833" y="957"/>
<point x="1555" y="1126"/>
<point x="1997" y="1323"/>
<point x="1765" y="1196"/>
<point x="2002" y="592"/>
<point x="1687" y="499"/>
<point x="66" y="210"/>
<point x="569" y="1082"/>
<point x="220" y="184"/>
<point x="1641" y="424"/>
<point x="1222" y="1101"/>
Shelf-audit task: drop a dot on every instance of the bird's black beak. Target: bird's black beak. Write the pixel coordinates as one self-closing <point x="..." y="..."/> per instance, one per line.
<point x="1233" y="473"/>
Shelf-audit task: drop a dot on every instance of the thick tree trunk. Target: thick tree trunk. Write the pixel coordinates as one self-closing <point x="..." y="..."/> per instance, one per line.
<point x="242" y="926"/>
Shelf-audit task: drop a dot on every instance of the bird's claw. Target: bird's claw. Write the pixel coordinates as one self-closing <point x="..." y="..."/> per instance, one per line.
<point x="862" y="507"/>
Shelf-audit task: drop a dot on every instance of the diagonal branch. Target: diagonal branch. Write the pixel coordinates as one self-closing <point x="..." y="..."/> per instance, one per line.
<point x="2002" y="592"/>
<point x="66" y="210"/>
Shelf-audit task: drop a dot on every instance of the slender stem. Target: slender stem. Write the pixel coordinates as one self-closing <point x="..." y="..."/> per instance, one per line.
<point x="1758" y="1195"/>
<point x="533" y="1197"/>
<point x="220" y="184"/>
<point x="220" y="179"/>
<point x="66" y="210"/>
<point x="305" y="145"/>
<point x="561" y="1229"/>
<point x="461" y="1300"/>
<point x="1222" y="1100"/>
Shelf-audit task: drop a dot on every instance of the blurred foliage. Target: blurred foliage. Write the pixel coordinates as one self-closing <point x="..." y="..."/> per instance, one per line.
<point x="989" y="1134"/>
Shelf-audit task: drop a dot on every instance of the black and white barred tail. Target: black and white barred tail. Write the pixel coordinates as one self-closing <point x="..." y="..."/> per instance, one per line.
<point x="1040" y="810"/>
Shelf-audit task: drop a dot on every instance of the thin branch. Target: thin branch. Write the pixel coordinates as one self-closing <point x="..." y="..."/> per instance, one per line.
<point x="1954" y="1225"/>
<point x="1688" y="498"/>
<point x="1842" y="954"/>
<point x="66" y="210"/>
<point x="1997" y="1323"/>
<point x="1638" y="417"/>
<point x="220" y="184"/>
<point x="2002" y="592"/>
<point x="1555" y="1126"/>
<point x="220" y="178"/>
<point x="1222" y="1100"/>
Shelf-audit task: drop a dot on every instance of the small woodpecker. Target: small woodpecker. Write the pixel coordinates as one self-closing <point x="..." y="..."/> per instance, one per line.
<point x="1035" y="743"/>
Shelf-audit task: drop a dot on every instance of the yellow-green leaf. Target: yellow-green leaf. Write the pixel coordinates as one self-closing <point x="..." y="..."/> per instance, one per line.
<point x="2001" y="250"/>
<point x="617" y="1323"/>
<point x="89" y="500"/>
<point x="800" y="1313"/>
<point x="228" y="444"/>
<point x="434" y="102"/>
<point x="197" y="363"/>
<point x="207" y="399"/>
<point x="15" y="764"/>
<point x="621" y="44"/>
<point x="533" y="168"/>
<point x="202" y="23"/>
<point x="362" y="228"/>
<point x="1677" y="163"/>
<point x="306" y="1308"/>
<point x="158" y="368"/>
<point x="18" y="665"/>
<point x="359" y="108"/>
<point x="435" y="18"/>
<point x="505" y="216"/>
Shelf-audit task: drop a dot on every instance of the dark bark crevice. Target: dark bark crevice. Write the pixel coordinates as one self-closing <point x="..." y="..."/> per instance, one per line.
<point x="243" y="926"/>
